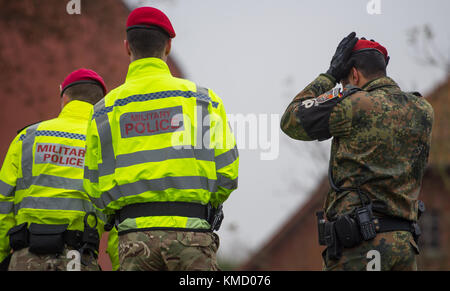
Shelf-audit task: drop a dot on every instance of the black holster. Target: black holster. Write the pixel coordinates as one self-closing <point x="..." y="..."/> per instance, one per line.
<point x="339" y="234"/>
<point x="334" y="247"/>
<point x="328" y="237"/>
<point x="90" y="239"/>
<point x="47" y="238"/>
<point x="215" y="217"/>
<point x="347" y="231"/>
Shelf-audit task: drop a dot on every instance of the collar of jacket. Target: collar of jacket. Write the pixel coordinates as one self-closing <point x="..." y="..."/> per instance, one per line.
<point x="379" y="83"/>
<point x="147" y="66"/>
<point x="77" y="110"/>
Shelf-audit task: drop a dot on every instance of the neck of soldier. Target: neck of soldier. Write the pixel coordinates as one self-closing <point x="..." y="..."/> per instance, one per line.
<point x="357" y="79"/>
<point x="163" y="56"/>
<point x="64" y="100"/>
<point x="133" y="58"/>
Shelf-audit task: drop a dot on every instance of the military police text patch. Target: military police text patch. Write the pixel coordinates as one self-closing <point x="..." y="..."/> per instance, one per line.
<point x="151" y="122"/>
<point x="60" y="155"/>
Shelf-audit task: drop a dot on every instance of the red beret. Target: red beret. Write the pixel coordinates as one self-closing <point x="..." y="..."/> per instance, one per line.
<point x="364" y="44"/>
<point x="82" y="76"/>
<point x="146" y="17"/>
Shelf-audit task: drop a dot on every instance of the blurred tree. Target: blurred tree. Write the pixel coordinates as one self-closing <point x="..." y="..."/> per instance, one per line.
<point x="422" y="41"/>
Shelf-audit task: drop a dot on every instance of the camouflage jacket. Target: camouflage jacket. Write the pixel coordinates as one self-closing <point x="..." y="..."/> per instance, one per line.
<point x="381" y="141"/>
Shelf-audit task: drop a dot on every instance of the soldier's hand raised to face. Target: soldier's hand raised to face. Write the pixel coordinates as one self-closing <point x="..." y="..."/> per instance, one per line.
<point x="339" y="66"/>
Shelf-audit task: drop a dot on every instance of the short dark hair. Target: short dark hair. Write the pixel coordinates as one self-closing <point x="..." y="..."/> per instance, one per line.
<point x="370" y="63"/>
<point x="86" y="92"/>
<point x="147" y="43"/>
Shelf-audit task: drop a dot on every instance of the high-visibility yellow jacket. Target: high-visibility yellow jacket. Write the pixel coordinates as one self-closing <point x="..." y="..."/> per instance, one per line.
<point x="158" y="138"/>
<point x="113" y="248"/>
<point x="41" y="180"/>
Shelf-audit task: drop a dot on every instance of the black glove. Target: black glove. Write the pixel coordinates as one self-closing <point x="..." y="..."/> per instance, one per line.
<point x="339" y="66"/>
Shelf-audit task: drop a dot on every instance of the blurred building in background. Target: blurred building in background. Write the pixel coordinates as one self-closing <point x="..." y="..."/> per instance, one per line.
<point x="295" y="245"/>
<point x="41" y="44"/>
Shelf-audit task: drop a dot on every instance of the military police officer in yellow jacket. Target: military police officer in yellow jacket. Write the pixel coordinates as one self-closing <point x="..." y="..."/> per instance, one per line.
<point x="46" y="218"/>
<point x="161" y="158"/>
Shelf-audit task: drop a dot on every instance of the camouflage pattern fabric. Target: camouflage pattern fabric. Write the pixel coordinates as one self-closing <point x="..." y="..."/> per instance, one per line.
<point x="397" y="252"/>
<point x="381" y="141"/>
<point x="23" y="260"/>
<point x="168" y="251"/>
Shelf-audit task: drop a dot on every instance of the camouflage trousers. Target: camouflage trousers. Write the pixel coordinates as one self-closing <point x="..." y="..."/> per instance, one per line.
<point x="389" y="251"/>
<point x="68" y="260"/>
<point x="168" y="251"/>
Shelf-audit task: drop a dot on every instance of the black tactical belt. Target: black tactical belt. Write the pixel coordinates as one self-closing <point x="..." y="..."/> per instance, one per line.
<point x="52" y="238"/>
<point x="72" y="238"/>
<point x="185" y="209"/>
<point x="388" y="224"/>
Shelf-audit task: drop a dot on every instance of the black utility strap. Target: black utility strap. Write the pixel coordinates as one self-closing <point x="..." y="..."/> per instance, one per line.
<point x="387" y="224"/>
<point x="73" y="238"/>
<point x="185" y="209"/>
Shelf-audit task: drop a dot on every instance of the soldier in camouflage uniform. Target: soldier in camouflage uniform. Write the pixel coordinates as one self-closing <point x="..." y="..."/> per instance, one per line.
<point x="381" y="140"/>
<point x="24" y="260"/>
<point x="169" y="251"/>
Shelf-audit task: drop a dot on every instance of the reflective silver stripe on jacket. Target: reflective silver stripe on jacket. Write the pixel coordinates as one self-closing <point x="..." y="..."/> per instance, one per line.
<point x="153" y="96"/>
<point x="227" y="158"/>
<point x="57" y="203"/>
<point x="51" y="181"/>
<point x="160" y="184"/>
<point x="104" y="131"/>
<point x="150" y="156"/>
<point x="91" y="175"/>
<point x="6" y="207"/>
<point x="27" y="155"/>
<point x="203" y="125"/>
<point x="164" y="154"/>
<point x="227" y="183"/>
<point x="6" y="189"/>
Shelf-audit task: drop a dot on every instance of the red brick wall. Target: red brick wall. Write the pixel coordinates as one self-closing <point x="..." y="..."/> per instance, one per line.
<point x="436" y="195"/>
<point x="301" y="251"/>
<point x="295" y="246"/>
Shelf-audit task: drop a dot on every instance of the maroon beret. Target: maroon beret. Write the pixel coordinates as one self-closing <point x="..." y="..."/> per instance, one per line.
<point x="364" y="44"/>
<point x="146" y="17"/>
<point x="83" y="76"/>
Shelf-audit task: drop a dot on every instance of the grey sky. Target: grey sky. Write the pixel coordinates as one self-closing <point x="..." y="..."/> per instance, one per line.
<point x="257" y="54"/>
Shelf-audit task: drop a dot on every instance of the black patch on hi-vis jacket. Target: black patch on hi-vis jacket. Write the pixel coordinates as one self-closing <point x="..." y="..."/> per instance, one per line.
<point x="60" y="155"/>
<point x="151" y="122"/>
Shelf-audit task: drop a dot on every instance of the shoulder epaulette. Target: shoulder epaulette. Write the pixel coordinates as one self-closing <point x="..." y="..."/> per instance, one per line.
<point x="415" y="93"/>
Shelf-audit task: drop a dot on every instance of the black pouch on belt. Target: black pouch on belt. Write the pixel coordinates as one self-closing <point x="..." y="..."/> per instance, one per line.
<point x="47" y="238"/>
<point x="334" y="247"/>
<point x="347" y="231"/>
<point x="18" y="236"/>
